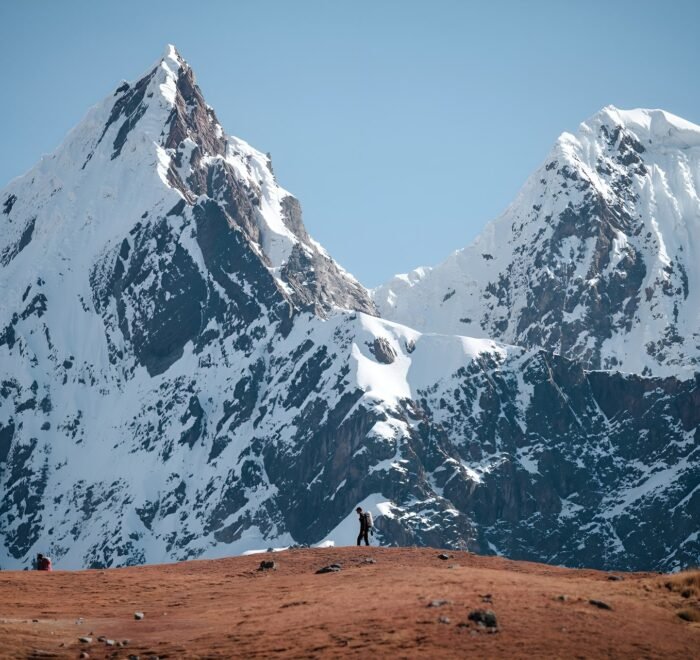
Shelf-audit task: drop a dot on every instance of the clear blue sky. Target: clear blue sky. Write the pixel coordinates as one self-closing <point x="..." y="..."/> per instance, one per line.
<point x="403" y="127"/>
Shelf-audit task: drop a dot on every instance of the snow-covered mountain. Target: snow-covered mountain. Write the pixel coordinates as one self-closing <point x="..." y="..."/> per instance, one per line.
<point x="596" y="259"/>
<point x="186" y="373"/>
<point x="159" y="140"/>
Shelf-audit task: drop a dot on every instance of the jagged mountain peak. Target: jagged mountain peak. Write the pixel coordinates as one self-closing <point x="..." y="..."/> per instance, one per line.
<point x="596" y="258"/>
<point x="644" y="129"/>
<point x="151" y="145"/>
<point x="170" y="52"/>
<point x="652" y="125"/>
<point x="622" y="137"/>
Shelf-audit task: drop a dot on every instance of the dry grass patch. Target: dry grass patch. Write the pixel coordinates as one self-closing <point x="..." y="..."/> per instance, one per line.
<point x="687" y="584"/>
<point x="689" y="614"/>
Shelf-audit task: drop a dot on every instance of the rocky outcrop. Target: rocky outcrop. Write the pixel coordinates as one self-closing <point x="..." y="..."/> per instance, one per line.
<point x="382" y="350"/>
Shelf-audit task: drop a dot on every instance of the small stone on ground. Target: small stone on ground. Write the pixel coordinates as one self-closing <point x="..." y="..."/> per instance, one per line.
<point x="600" y="604"/>
<point x="485" y="618"/>
<point x="333" y="568"/>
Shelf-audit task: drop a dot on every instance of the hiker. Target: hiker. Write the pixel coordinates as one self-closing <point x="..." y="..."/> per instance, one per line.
<point x="43" y="563"/>
<point x="365" y="525"/>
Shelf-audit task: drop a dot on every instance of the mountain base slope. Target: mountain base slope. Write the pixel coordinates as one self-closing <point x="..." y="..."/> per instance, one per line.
<point x="227" y="608"/>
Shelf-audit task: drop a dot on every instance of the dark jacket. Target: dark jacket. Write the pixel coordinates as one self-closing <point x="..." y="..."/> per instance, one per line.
<point x="364" y="526"/>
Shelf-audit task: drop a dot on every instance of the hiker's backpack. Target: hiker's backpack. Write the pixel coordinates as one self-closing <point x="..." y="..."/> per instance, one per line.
<point x="368" y="518"/>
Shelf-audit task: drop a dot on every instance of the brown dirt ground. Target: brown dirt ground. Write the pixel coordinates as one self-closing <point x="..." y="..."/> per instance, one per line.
<point x="227" y="609"/>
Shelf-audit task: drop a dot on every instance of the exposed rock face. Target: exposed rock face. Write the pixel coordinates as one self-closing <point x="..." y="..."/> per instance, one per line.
<point x="186" y="374"/>
<point x="596" y="259"/>
<point x="382" y="350"/>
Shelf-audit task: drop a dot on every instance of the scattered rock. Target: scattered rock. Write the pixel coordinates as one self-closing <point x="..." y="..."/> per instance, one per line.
<point x="487" y="598"/>
<point x="85" y="640"/>
<point x="600" y="604"/>
<point x="443" y="556"/>
<point x="485" y="618"/>
<point x="134" y="657"/>
<point x="369" y="560"/>
<point x="138" y="616"/>
<point x="125" y="642"/>
<point x="615" y="578"/>
<point x="333" y="568"/>
<point x="267" y="565"/>
<point x="84" y="654"/>
<point x="444" y="619"/>
<point x="439" y="603"/>
<point x="109" y="642"/>
<point x="35" y="620"/>
<point x="686" y="593"/>
<point x="562" y="597"/>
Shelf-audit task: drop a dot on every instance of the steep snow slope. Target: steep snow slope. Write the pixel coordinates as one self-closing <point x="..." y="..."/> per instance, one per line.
<point x="186" y="373"/>
<point x="596" y="259"/>
<point x="155" y="147"/>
